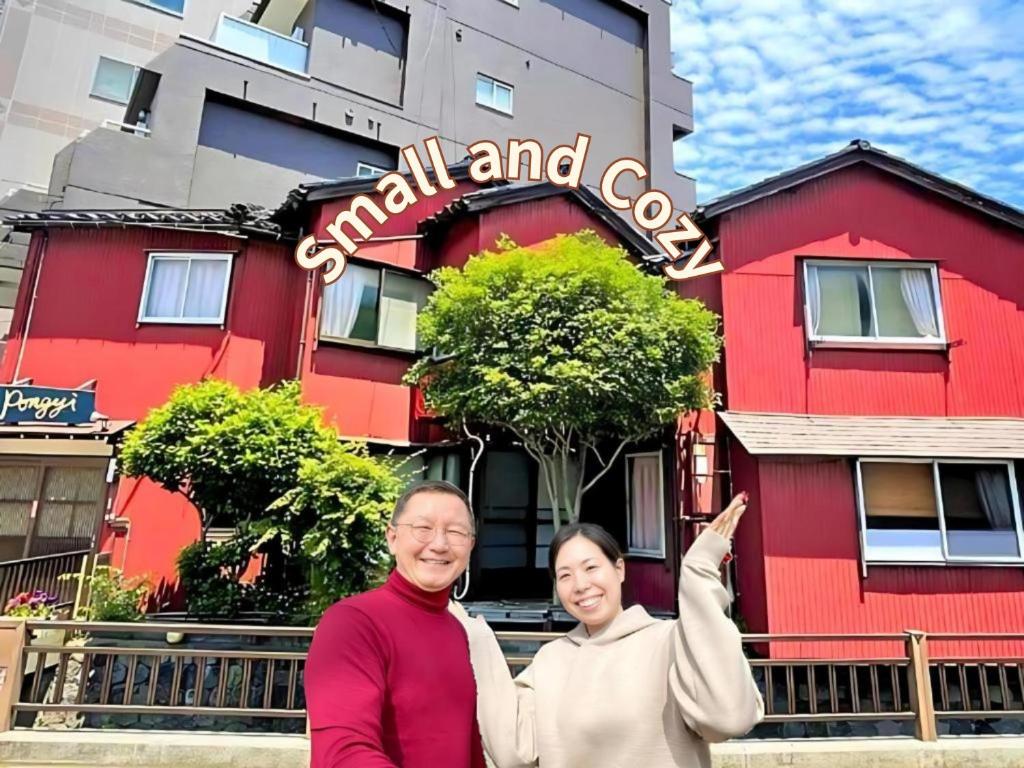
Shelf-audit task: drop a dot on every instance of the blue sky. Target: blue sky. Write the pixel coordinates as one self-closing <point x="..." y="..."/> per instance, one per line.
<point x="780" y="82"/>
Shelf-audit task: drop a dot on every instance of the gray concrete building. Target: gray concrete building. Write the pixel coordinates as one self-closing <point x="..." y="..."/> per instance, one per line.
<point x="202" y="103"/>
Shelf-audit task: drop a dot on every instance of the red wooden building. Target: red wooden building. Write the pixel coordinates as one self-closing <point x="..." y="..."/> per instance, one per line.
<point x="138" y="302"/>
<point x="873" y="402"/>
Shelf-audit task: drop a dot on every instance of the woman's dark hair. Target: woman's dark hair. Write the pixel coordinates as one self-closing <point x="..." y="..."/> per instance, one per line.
<point x="605" y="542"/>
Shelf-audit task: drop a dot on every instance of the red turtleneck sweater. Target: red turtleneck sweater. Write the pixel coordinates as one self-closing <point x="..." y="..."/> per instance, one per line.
<point x="389" y="684"/>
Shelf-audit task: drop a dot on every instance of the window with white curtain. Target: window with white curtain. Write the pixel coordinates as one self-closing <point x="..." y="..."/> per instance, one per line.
<point x="378" y="306"/>
<point x="645" y="501"/>
<point x="935" y="511"/>
<point x="185" y="288"/>
<point x="872" y="302"/>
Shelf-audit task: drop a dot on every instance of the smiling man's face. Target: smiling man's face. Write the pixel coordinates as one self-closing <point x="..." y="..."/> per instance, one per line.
<point x="434" y="564"/>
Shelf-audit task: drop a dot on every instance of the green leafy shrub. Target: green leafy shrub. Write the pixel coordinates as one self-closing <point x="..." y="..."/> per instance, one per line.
<point x="112" y="597"/>
<point x="210" y="576"/>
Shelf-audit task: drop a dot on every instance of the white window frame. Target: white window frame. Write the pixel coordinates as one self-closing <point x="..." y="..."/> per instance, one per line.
<point x="152" y="256"/>
<point x="947" y="558"/>
<point x="383" y="270"/>
<point x="659" y="553"/>
<point x="494" y="83"/>
<point x="370" y="171"/>
<point x="875" y="342"/>
<point x="96" y="71"/>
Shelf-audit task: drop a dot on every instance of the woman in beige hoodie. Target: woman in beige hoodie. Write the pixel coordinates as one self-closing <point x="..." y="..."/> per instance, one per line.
<point x="622" y="689"/>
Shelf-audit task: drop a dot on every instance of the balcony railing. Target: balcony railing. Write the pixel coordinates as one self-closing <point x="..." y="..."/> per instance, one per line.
<point x="261" y="44"/>
<point x="41" y="573"/>
<point x="187" y="676"/>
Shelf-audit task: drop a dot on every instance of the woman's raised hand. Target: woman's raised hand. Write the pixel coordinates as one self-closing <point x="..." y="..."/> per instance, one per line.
<point x="726" y="522"/>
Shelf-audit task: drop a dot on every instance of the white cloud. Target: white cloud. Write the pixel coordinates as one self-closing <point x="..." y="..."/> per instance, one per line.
<point x="781" y="82"/>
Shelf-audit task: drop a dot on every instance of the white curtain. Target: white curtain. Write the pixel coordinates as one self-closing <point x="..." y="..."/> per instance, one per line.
<point x="844" y="308"/>
<point x="994" y="494"/>
<point x="166" y="287"/>
<point x="814" y="298"/>
<point x="205" y="293"/>
<point x="647" y="525"/>
<point x="401" y="300"/>
<point x="341" y="301"/>
<point x="915" y="284"/>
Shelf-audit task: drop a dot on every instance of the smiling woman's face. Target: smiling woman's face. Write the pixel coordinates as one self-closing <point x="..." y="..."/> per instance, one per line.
<point x="589" y="585"/>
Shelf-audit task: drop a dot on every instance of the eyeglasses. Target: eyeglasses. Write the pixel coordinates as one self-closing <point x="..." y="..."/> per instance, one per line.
<point x="425" y="534"/>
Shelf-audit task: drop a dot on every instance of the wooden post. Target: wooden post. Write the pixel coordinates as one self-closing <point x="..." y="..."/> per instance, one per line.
<point x="920" y="682"/>
<point x="81" y="586"/>
<point x="12" y="645"/>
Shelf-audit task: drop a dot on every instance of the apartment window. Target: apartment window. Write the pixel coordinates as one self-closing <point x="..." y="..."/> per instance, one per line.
<point x="493" y="94"/>
<point x="367" y="170"/>
<point x="645" y="501"/>
<point x="177" y="7"/>
<point x="377" y="306"/>
<point x="872" y="303"/>
<point x="114" y="80"/>
<point x="939" y="511"/>
<point x="185" y="288"/>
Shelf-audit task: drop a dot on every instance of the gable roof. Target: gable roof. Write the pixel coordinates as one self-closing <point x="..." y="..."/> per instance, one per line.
<point x="331" y="189"/>
<point x="238" y="219"/>
<point x="495" y="197"/>
<point x="860" y="151"/>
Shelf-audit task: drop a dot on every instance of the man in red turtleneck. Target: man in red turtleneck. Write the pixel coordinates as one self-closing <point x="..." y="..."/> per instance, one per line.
<point x="388" y="678"/>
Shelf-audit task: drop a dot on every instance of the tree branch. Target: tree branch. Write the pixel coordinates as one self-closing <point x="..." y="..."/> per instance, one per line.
<point x="579" y="484"/>
<point x="608" y="466"/>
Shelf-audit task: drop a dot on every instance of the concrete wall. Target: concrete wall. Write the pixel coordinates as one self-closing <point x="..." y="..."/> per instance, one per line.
<point x="49" y="50"/>
<point x="355" y="48"/>
<point x="576" y="65"/>
<point x="255" y="750"/>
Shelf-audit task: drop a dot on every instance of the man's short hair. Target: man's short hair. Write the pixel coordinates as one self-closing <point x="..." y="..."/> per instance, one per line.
<point x="432" y="486"/>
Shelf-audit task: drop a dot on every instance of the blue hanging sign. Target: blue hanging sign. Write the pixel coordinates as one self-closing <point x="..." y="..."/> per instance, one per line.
<point x="45" y="405"/>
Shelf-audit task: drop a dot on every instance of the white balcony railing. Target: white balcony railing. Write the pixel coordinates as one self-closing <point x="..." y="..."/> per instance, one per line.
<point x="261" y="44"/>
<point x="117" y="125"/>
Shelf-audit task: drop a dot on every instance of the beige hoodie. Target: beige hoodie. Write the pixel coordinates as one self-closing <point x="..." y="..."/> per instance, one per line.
<point x="641" y="692"/>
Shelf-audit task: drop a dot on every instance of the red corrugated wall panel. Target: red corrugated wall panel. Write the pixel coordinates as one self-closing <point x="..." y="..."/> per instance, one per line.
<point x="861" y="213"/>
<point x="84" y="327"/>
<point x="538" y="220"/>
<point x="810" y="568"/>
<point x="649" y="583"/>
<point x="812" y="571"/>
<point x="752" y="598"/>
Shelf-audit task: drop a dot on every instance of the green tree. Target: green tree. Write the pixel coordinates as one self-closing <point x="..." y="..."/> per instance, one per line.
<point x="230" y="453"/>
<point x="337" y="514"/>
<point x="264" y="463"/>
<point x="568" y="346"/>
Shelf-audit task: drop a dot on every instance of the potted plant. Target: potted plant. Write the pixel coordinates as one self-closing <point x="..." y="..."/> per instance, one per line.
<point x="36" y="605"/>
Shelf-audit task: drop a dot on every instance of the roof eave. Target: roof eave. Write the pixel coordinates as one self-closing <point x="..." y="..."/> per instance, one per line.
<point x="863" y="152"/>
